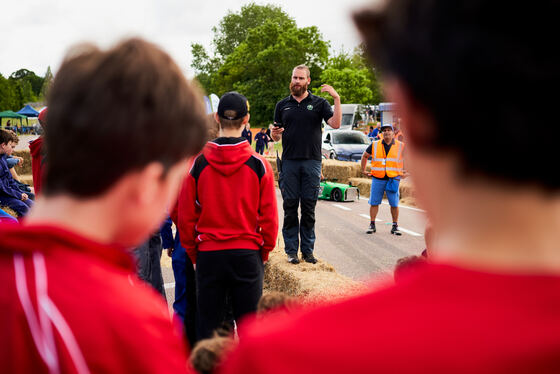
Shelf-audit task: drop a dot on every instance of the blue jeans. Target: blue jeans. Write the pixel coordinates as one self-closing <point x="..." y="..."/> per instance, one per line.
<point x="299" y="182"/>
<point x="19" y="206"/>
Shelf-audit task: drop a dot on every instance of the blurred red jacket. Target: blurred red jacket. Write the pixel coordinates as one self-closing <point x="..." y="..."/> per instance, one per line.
<point x="72" y="305"/>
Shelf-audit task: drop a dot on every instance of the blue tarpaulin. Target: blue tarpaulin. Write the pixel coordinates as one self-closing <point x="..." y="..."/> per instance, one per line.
<point x="28" y="111"/>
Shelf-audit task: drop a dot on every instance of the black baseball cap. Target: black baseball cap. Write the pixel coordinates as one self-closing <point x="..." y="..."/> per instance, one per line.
<point x="233" y="101"/>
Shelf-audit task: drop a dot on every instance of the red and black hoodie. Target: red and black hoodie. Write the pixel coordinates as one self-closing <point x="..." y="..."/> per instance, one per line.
<point x="228" y="200"/>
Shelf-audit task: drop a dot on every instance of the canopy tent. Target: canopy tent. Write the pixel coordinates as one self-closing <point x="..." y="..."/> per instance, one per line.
<point x="28" y="111"/>
<point x="12" y="115"/>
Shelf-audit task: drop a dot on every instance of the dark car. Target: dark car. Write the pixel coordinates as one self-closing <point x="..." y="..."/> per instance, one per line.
<point x="344" y="145"/>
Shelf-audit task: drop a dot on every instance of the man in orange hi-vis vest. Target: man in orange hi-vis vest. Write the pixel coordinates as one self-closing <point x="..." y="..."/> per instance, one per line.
<point x="387" y="169"/>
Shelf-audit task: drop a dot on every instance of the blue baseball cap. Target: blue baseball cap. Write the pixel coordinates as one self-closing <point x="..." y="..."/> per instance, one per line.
<point x="387" y="125"/>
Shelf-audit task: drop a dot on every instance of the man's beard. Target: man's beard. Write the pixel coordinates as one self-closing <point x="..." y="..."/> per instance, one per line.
<point x="298" y="90"/>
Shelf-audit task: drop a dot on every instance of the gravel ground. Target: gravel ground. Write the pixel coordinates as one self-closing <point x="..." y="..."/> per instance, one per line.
<point x="24" y="142"/>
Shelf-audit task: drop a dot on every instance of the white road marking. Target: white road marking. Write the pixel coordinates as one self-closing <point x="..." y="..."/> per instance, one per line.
<point x="367" y="217"/>
<point x="341" y="207"/>
<point x="169" y="285"/>
<point x="409" y="232"/>
<point x="406" y="207"/>
<point x="389" y="223"/>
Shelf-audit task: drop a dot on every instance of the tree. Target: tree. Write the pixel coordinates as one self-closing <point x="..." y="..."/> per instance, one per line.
<point x="234" y="27"/>
<point x="47" y="81"/>
<point x="352" y="78"/>
<point x="261" y="66"/>
<point x="8" y="99"/>
<point x="229" y="34"/>
<point x="26" y="76"/>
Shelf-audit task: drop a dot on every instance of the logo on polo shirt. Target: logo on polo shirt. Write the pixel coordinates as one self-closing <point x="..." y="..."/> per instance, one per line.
<point x="310" y="107"/>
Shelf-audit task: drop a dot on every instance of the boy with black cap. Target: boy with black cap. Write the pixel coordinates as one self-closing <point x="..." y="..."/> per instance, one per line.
<point x="228" y="219"/>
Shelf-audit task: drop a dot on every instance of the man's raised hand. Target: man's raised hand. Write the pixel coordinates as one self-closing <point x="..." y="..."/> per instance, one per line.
<point x="330" y="90"/>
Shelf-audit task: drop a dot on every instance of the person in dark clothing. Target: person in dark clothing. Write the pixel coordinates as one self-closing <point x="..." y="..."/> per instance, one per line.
<point x="297" y="121"/>
<point x="148" y="256"/>
<point x="185" y="280"/>
<point x="261" y="140"/>
<point x="247" y="134"/>
<point x="10" y="193"/>
<point x="228" y="220"/>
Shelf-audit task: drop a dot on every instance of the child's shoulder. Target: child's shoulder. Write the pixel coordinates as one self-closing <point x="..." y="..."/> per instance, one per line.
<point x="262" y="162"/>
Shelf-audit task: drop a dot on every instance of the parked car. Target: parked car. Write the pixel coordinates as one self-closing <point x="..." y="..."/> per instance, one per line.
<point x="344" y="145"/>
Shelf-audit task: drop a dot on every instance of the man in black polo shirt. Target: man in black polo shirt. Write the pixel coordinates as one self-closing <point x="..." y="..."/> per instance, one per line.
<point x="297" y="121"/>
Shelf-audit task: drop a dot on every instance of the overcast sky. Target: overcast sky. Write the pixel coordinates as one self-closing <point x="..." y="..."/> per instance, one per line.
<point x="36" y="33"/>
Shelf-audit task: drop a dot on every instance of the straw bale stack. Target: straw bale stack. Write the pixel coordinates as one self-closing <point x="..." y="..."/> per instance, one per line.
<point x="340" y="171"/>
<point x="25" y="168"/>
<point x="307" y="282"/>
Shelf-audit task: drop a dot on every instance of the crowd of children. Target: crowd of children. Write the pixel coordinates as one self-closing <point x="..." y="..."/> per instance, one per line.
<point x="13" y="194"/>
<point x="484" y="300"/>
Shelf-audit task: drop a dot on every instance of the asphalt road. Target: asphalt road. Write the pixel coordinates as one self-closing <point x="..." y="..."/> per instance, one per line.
<point x="342" y="240"/>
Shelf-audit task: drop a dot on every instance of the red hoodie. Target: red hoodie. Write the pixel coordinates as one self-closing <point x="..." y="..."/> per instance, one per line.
<point x="228" y="200"/>
<point x="438" y="319"/>
<point x="71" y="305"/>
<point x="36" y="163"/>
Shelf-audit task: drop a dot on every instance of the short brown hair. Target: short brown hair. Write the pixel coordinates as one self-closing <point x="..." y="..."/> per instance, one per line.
<point x="304" y="67"/>
<point x="274" y="301"/>
<point x="213" y="127"/>
<point x="7" y="136"/>
<point x="231" y="123"/>
<point x="112" y="112"/>
<point x="209" y="353"/>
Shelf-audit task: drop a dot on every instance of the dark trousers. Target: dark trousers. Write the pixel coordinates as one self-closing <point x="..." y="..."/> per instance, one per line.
<point x="148" y="256"/>
<point x="185" y="289"/>
<point x="237" y="273"/>
<point x="259" y="148"/>
<point x="299" y="183"/>
<point x="19" y="206"/>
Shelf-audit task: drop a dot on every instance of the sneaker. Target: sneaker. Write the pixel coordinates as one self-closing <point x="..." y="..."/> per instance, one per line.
<point x="395" y="230"/>
<point x="310" y="259"/>
<point x="371" y="229"/>
<point x="293" y="259"/>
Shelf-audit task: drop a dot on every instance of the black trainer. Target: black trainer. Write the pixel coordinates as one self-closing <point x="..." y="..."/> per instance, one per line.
<point x="310" y="259"/>
<point x="371" y="229"/>
<point x="293" y="259"/>
<point x="395" y="230"/>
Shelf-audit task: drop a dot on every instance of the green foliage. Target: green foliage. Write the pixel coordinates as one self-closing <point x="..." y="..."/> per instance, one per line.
<point x="8" y="100"/>
<point x="255" y="50"/>
<point x="234" y="27"/>
<point x="30" y="84"/>
<point x="352" y="78"/>
<point x="261" y="66"/>
<point x="47" y="82"/>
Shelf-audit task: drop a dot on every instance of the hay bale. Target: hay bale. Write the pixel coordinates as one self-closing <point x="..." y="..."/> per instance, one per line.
<point x="363" y="184"/>
<point x="272" y="161"/>
<point x="340" y="171"/>
<point x="24" y="168"/>
<point x="9" y="211"/>
<point x="307" y="282"/>
<point x="406" y="190"/>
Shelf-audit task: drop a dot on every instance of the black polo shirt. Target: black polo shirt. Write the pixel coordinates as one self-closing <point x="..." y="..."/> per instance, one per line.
<point x="301" y="138"/>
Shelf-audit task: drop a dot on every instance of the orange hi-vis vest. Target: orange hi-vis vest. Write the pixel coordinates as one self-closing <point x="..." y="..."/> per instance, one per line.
<point x="391" y="164"/>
